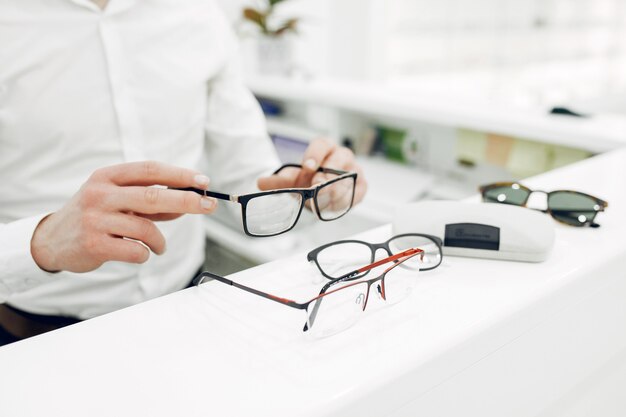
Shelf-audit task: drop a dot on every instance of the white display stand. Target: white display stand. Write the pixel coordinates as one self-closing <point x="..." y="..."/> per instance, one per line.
<point x="476" y="338"/>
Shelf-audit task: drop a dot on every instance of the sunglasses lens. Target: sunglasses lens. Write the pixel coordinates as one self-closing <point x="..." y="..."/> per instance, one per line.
<point x="432" y="251"/>
<point x="508" y="194"/>
<point x="337" y="260"/>
<point x="573" y="208"/>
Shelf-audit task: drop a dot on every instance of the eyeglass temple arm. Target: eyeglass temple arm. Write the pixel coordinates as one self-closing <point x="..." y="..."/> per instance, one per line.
<point x="214" y="194"/>
<point x="392" y="258"/>
<point x="285" y="301"/>
<point x="405" y="254"/>
<point x="319" y="169"/>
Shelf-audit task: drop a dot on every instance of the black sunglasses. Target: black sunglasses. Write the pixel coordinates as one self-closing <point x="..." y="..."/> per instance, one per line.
<point x="570" y="207"/>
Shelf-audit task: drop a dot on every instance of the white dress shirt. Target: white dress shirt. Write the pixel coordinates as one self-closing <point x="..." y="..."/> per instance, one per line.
<point x="82" y="88"/>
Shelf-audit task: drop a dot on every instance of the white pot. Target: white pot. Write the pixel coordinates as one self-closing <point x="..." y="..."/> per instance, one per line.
<point x="274" y="55"/>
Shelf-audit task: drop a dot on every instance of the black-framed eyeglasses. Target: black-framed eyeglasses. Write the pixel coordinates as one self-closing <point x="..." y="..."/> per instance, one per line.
<point x="336" y="259"/>
<point x="566" y="206"/>
<point x="271" y="213"/>
<point x="336" y="309"/>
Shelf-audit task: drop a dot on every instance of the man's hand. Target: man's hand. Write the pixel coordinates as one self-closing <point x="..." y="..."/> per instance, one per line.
<point x="321" y="152"/>
<point x="114" y="204"/>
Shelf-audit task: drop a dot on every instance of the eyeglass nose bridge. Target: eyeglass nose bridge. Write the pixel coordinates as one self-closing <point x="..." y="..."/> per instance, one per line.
<point x="536" y="193"/>
<point x="309" y="193"/>
<point x="383" y="247"/>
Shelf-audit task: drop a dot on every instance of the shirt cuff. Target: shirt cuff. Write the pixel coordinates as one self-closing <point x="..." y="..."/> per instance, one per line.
<point x="18" y="270"/>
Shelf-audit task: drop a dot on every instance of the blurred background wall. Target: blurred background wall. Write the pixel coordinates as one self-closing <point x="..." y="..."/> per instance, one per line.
<point x="524" y="52"/>
<point x="434" y="97"/>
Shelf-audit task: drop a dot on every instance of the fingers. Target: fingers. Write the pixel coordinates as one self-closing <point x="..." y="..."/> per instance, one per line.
<point x="124" y="250"/>
<point x="314" y="157"/>
<point x="341" y="158"/>
<point x="321" y="152"/>
<point x="316" y="153"/>
<point x="286" y="178"/>
<point x="275" y="182"/>
<point x="153" y="200"/>
<point x="137" y="228"/>
<point x="152" y="173"/>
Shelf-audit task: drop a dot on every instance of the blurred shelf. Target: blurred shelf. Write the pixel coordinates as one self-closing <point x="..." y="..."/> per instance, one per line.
<point x="596" y="134"/>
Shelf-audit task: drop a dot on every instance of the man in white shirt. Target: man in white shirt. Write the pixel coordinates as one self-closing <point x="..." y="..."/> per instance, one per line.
<point x="89" y="91"/>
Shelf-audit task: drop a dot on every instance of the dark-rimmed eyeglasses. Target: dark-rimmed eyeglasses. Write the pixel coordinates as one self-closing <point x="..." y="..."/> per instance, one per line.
<point x="566" y="206"/>
<point x="336" y="309"/>
<point x="271" y="213"/>
<point x="336" y="259"/>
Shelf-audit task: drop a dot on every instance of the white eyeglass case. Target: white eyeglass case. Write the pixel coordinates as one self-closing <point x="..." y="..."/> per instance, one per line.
<point x="480" y="230"/>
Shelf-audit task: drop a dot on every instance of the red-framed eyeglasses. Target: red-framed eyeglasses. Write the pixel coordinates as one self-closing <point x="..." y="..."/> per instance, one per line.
<point x="341" y="300"/>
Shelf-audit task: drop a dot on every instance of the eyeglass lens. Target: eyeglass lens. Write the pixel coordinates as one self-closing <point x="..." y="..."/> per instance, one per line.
<point x="336" y="310"/>
<point x="272" y="213"/>
<point x="572" y="208"/>
<point x="340" y="308"/>
<point x="398" y="283"/>
<point x="337" y="260"/>
<point x="431" y="256"/>
<point x="334" y="199"/>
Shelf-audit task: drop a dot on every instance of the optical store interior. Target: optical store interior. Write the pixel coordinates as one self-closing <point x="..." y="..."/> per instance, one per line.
<point x="313" y="208"/>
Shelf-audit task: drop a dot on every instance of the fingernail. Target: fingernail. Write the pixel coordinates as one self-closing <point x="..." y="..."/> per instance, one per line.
<point x="201" y="180"/>
<point x="310" y="164"/>
<point x="207" y="203"/>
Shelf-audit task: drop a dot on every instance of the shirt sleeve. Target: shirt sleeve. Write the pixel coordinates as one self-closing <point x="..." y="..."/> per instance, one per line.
<point x="18" y="270"/>
<point x="239" y="149"/>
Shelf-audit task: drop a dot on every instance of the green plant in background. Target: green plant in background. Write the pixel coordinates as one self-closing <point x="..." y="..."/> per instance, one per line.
<point x="261" y="16"/>
<point x="392" y="142"/>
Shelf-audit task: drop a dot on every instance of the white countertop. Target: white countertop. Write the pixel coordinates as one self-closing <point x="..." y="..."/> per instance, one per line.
<point x="477" y="337"/>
